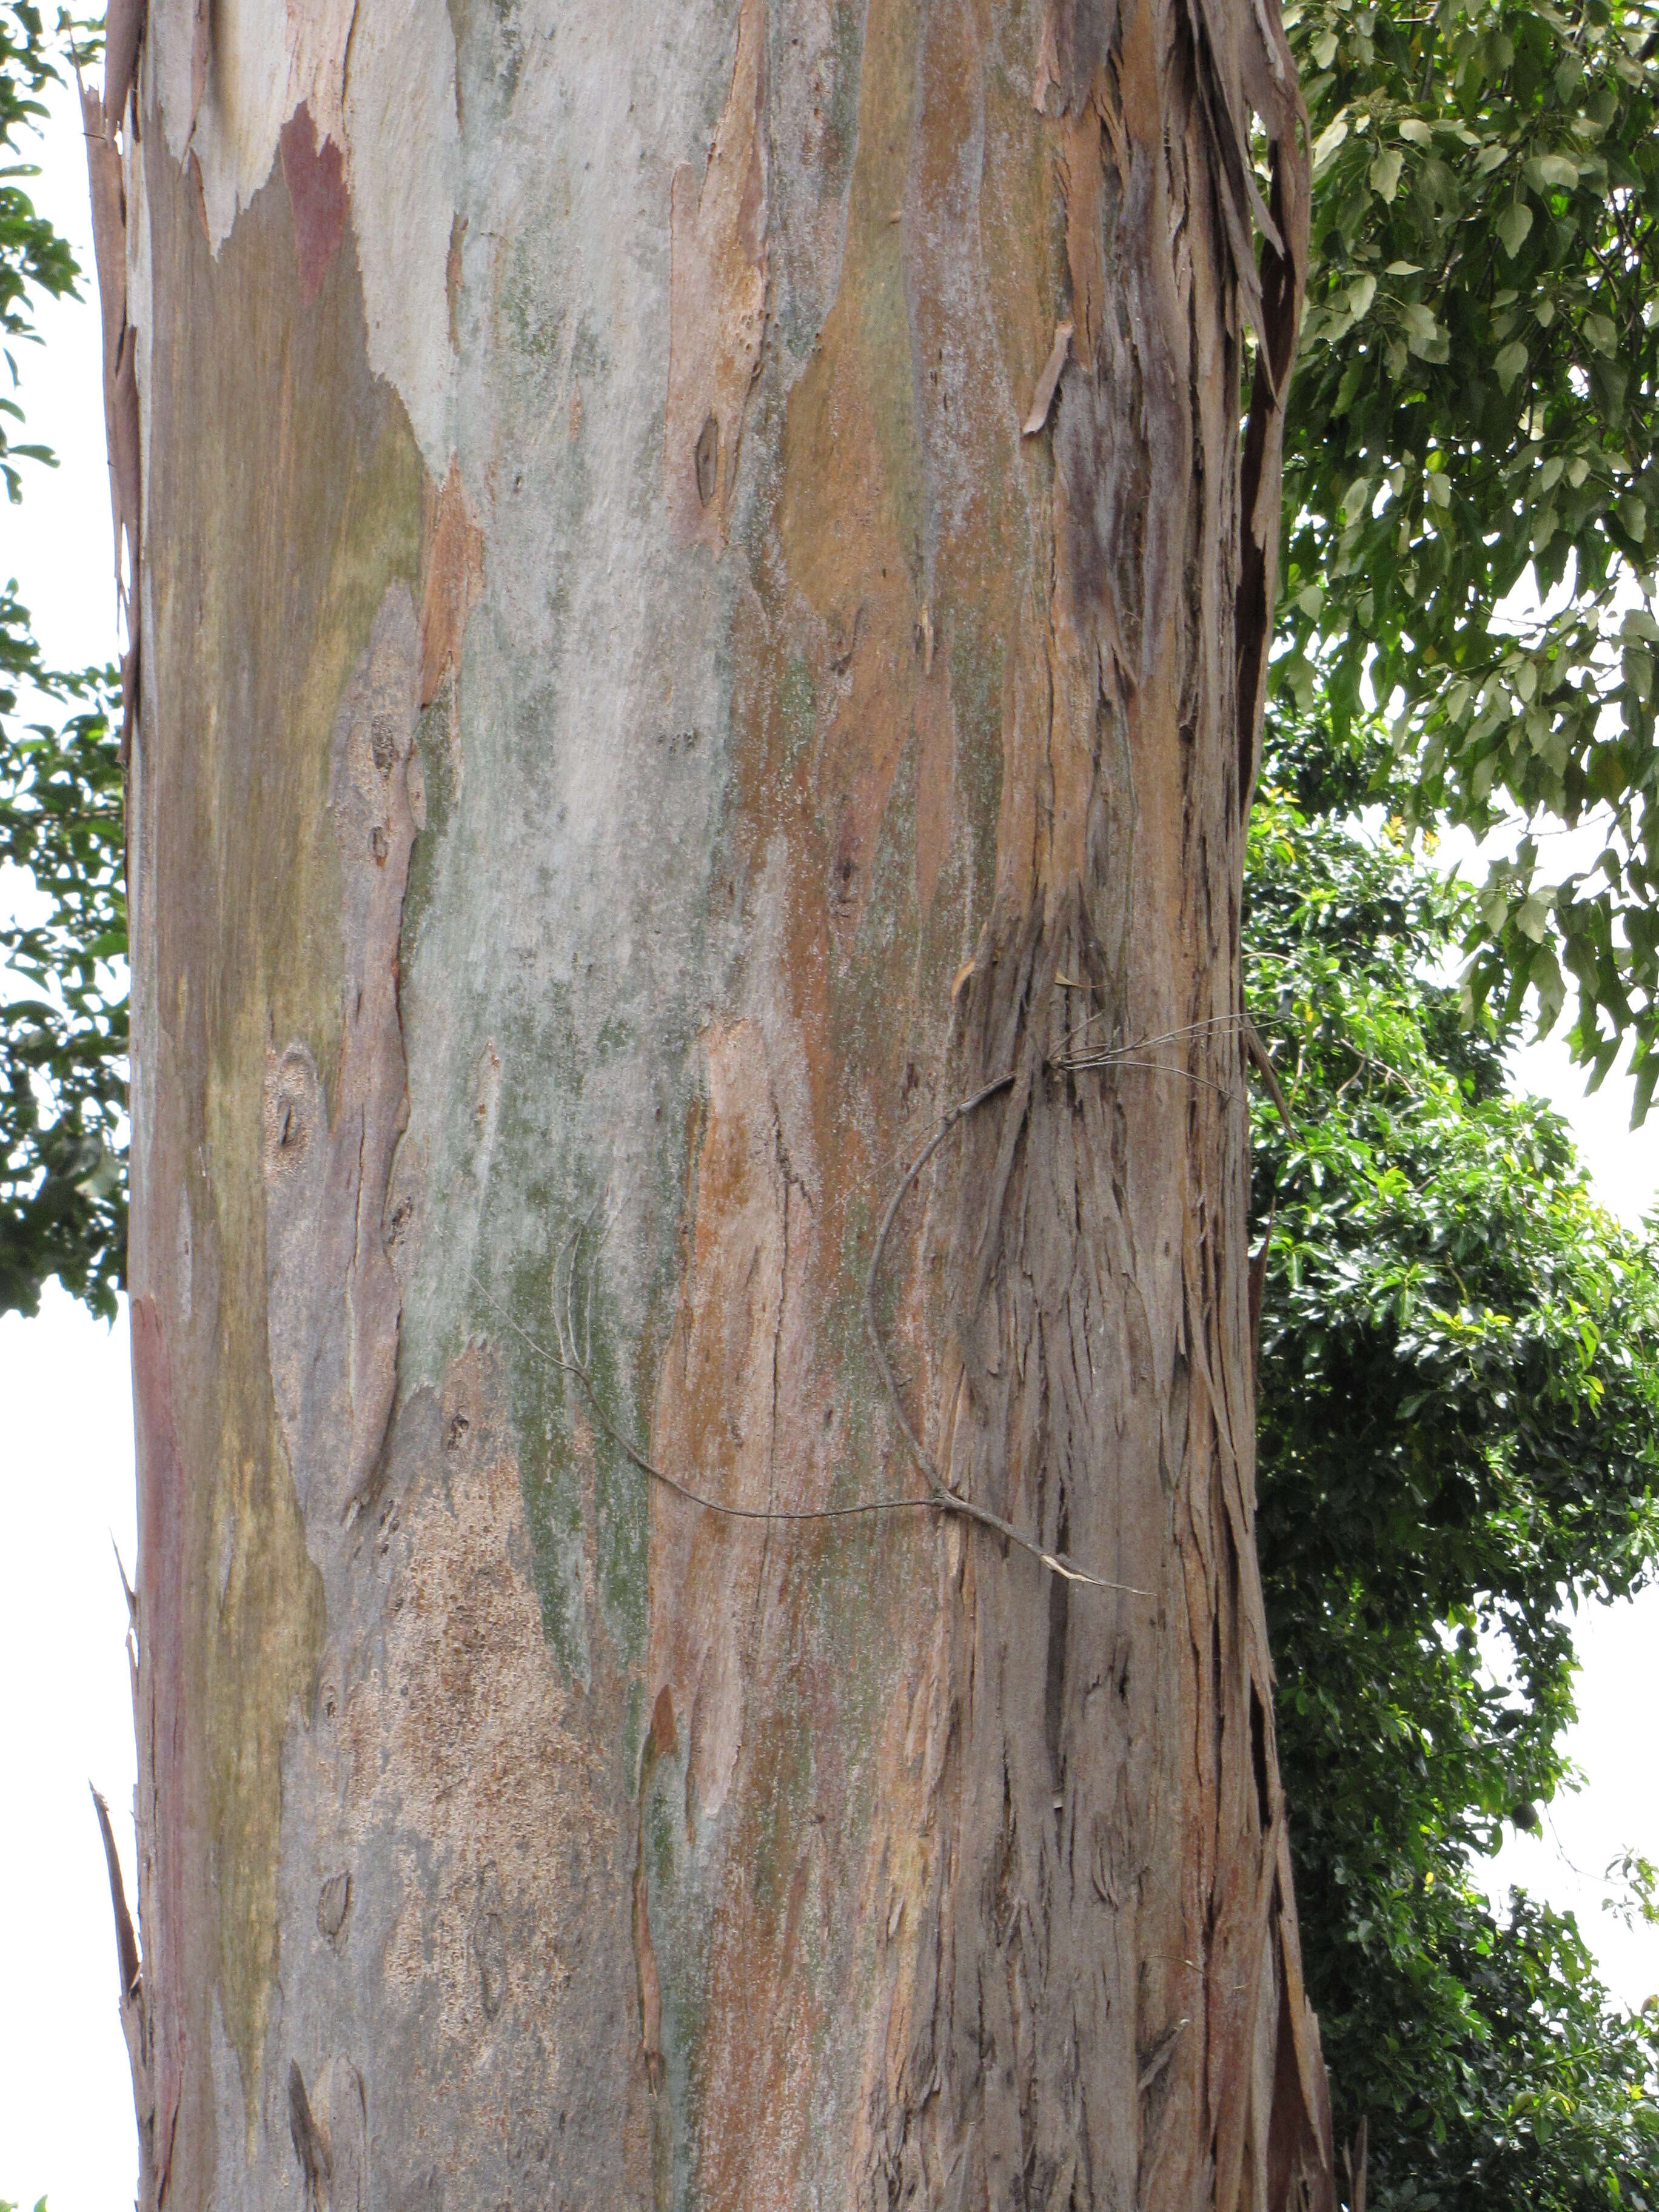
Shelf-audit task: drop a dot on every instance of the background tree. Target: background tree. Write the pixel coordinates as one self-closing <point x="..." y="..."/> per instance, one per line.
<point x="1475" y="410"/>
<point x="1459" y="1383"/>
<point x="62" y="1003"/>
<point x="62" y="1019"/>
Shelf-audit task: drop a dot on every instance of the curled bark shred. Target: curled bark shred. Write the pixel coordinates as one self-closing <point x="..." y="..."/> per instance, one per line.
<point x="135" y="2011"/>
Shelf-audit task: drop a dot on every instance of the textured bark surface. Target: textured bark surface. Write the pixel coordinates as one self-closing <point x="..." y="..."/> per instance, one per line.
<point x="703" y="600"/>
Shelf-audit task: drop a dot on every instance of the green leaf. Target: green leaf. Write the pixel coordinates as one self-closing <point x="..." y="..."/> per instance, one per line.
<point x="1601" y="334"/>
<point x="1513" y="225"/>
<point x="1509" y="363"/>
<point x="1385" y="173"/>
<point x="1330" y="139"/>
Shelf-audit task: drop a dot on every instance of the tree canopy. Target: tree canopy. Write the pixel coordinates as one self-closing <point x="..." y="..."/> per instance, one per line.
<point x="63" y="994"/>
<point x="1472" y="493"/>
<point x="63" y="1016"/>
<point x="1459" y="1378"/>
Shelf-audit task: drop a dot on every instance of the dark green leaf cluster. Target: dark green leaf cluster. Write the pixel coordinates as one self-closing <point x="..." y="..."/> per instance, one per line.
<point x="32" y="256"/>
<point x="1477" y="395"/>
<point x="62" y="988"/>
<point x="1459" y="1405"/>
<point x="64" y="1014"/>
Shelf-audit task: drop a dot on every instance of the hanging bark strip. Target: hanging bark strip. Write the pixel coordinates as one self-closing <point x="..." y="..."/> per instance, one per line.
<point x="101" y="119"/>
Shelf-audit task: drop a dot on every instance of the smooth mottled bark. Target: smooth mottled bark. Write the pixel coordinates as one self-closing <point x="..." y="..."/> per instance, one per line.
<point x="703" y="601"/>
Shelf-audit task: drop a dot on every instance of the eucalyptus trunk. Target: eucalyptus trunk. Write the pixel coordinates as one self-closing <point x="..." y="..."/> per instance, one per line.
<point x="699" y="581"/>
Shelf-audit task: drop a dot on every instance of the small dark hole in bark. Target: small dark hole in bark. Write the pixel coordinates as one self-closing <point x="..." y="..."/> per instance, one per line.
<point x="709" y="450"/>
<point x="459" y="1425"/>
<point x="1258" y="1756"/>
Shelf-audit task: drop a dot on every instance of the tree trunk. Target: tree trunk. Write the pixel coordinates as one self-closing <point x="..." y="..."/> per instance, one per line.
<point x="700" y="632"/>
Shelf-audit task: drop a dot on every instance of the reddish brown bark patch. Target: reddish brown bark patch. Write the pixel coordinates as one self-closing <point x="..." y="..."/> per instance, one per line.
<point x="454" y="578"/>
<point x="315" y="177"/>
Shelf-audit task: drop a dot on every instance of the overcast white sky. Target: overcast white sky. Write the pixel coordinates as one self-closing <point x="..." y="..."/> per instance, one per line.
<point x="66" y="1489"/>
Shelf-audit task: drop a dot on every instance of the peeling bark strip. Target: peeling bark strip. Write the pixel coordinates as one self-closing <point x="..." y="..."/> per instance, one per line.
<point x="134" y="2012"/>
<point x="123" y="30"/>
<point x="1049" y="383"/>
<point x="101" y="118"/>
<point x="717" y="299"/>
<point x="816" y="431"/>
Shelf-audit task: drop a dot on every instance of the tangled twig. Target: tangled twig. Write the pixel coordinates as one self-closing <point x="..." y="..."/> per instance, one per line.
<point x="949" y="1501"/>
<point x="575" y="1355"/>
<point x="579" y="1368"/>
<point x="1269" y="1074"/>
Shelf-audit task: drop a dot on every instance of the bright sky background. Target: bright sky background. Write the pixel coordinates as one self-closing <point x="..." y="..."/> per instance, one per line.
<point x="66" y="1490"/>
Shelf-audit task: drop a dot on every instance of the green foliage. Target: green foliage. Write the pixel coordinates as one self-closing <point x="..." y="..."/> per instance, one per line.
<point x="1459" y="1409"/>
<point x="33" y="256"/>
<point x="63" y="994"/>
<point x="1476" y="395"/>
<point x="64" y="1020"/>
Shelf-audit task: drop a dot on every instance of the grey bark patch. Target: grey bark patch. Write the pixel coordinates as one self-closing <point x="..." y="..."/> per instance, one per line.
<point x="439" y="1765"/>
<point x="347" y="2138"/>
<point x="333" y="1302"/>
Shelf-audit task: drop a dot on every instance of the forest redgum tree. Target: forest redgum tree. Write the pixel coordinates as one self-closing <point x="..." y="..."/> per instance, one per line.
<point x="699" y="602"/>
